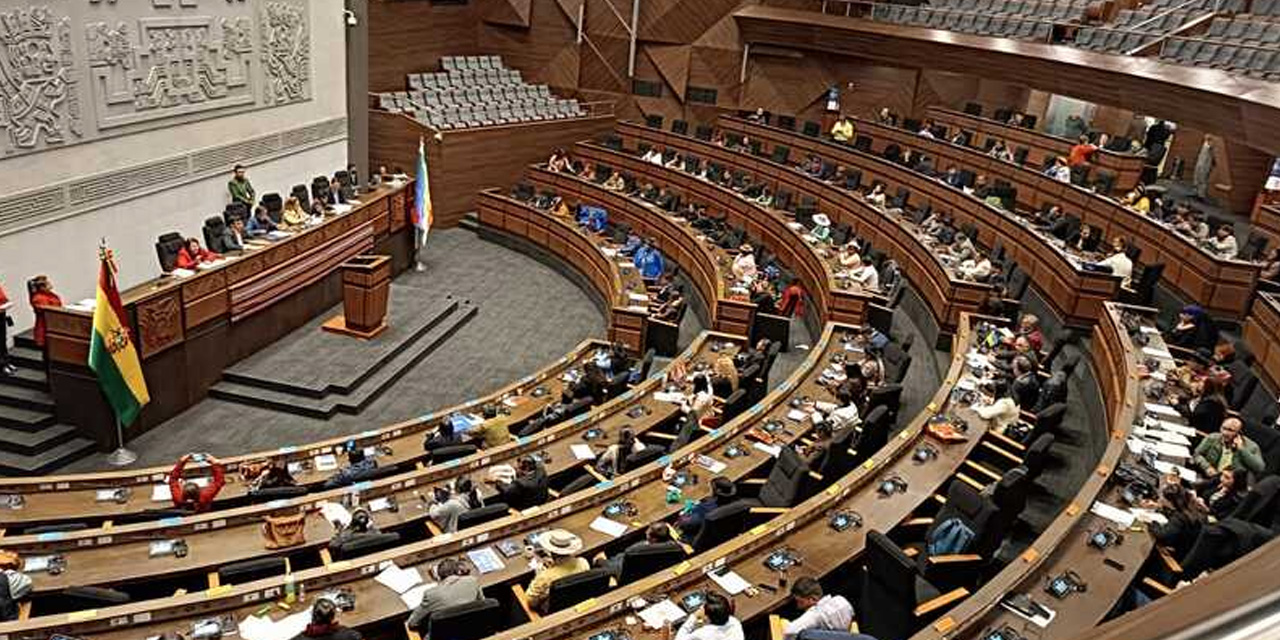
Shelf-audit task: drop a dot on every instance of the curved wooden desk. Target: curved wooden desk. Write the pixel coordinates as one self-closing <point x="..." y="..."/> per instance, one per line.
<point x="189" y="329"/>
<point x="1262" y="336"/>
<point x="945" y="293"/>
<point x="1223" y="287"/>
<point x="836" y="300"/>
<point x="802" y="528"/>
<point x="627" y="309"/>
<point x="1041" y="146"/>
<point x="1075" y="294"/>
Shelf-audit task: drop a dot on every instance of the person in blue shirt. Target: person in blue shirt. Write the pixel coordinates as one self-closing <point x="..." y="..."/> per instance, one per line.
<point x="260" y="222"/>
<point x="690" y="522"/>
<point x="633" y="244"/>
<point x="649" y="261"/>
<point x="359" y="467"/>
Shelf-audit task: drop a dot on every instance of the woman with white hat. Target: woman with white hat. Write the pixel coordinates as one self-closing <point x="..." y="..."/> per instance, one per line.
<point x="821" y="227"/>
<point x="559" y="549"/>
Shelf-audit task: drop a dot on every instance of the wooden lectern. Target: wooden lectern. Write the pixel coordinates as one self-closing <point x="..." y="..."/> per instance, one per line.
<point x="366" y="284"/>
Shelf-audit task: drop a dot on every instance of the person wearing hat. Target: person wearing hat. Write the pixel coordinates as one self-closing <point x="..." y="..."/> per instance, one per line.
<point x="690" y="522"/>
<point x="559" y="549"/>
<point x="821" y="230"/>
<point x="744" y="266"/>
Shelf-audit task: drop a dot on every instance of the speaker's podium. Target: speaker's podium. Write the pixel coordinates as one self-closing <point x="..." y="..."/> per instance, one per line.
<point x="366" y="284"/>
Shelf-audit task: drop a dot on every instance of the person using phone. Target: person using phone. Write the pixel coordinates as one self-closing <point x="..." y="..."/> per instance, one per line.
<point x="714" y="621"/>
<point x="189" y="495"/>
<point x="1229" y="449"/>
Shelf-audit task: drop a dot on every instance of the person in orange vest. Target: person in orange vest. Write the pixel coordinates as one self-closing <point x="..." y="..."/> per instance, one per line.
<point x="6" y="369"/>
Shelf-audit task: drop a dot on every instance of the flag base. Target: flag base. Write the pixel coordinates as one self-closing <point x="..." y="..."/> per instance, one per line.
<point x="121" y="457"/>
<point x="419" y="267"/>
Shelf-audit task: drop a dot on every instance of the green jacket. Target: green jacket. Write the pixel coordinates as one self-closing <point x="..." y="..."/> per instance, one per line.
<point x="1248" y="457"/>
<point x="241" y="191"/>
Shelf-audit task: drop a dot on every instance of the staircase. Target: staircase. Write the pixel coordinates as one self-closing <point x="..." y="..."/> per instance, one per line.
<point x="31" y="440"/>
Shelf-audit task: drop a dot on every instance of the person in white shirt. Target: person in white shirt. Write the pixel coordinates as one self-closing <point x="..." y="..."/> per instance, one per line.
<point x="876" y="196"/>
<point x="1223" y="244"/>
<point x="1003" y="411"/>
<point x="977" y="269"/>
<point x="867" y="276"/>
<point x="1059" y="171"/>
<point x="826" y="613"/>
<point x="1119" y="261"/>
<point x="653" y="156"/>
<point x="744" y="266"/>
<point x="714" y="621"/>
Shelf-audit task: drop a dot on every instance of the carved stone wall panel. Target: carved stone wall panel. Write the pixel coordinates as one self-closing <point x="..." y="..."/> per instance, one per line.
<point x="77" y="70"/>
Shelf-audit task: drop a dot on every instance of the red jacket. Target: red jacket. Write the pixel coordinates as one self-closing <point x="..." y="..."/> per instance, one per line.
<point x="207" y="494"/>
<point x="39" y="300"/>
<point x="188" y="261"/>
<point x="792" y="301"/>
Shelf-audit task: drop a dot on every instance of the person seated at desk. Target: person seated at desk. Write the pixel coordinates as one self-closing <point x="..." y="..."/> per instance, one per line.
<point x="977" y="269"/>
<point x="887" y="117"/>
<point x="926" y="130"/>
<point x="1209" y="407"/>
<point x="1080" y="154"/>
<point x="960" y="138"/>
<point x="962" y="248"/>
<point x="615" y="182"/>
<point x="1190" y="223"/>
<point x="15" y="587"/>
<point x="1119" y="261"/>
<point x="871" y="371"/>
<point x="558" y="162"/>
<point x="455" y="586"/>
<point x="359" y="466"/>
<point x="843" y="129"/>
<point x="493" y="432"/>
<point x="266" y="475"/>
<point x="648" y="261"/>
<point x="657" y="538"/>
<point x="744" y="265"/>
<point x="233" y="235"/>
<point x="558" y="558"/>
<point x="41" y="296"/>
<point x="673" y="161"/>
<point x="188" y="495"/>
<point x="260" y="223"/>
<point x="1221" y="494"/>
<point x="652" y="156"/>
<point x="1184" y="518"/>
<point x="724" y="377"/>
<point x="1051" y="219"/>
<point x="442" y="436"/>
<point x="318" y="211"/>
<point x="1029" y="328"/>
<point x="1228" y="449"/>
<point x="1194" y="329"/>
<point x="669" y="309"/>
<point x="821" y="612"/>
<point x="1271" y="265"/>
<point x="821" y="231"/>
<point x="765" y="198"/>
<point x="450" y="501"/>
<point x="1026" y="384"/>
<point x="1223" y="243"/>
<point x="980" y="189"/>
<point x="649" y="192"/>
<point x="240" y="188"/>
<point x="1019" y="347"/>
<point x="952" y="177"/>
<point x="908" y="158"/>
<point x="723" y="491"/>
<point x="192" y="255"/>
<point x="762" y="297"/>
<point x="528" y="488"/>
<point x="666" y="200"/>
<point x="1059" y="170"/>
<point x="293" y="217"/>
<point x="999" y="407"/>
<point x="609" y="462"/>
<point x="714" y="621"/>
<point x="866" y="275"/>
<point x="1138" y="200"/>
<point x="361" y="523"/>
<point x="1084" y="240"/>
<point x="324" y="624"/>
<point x="1000" y="151"/>
<point x="876" y="196"/>
<point x="756" y="354"/>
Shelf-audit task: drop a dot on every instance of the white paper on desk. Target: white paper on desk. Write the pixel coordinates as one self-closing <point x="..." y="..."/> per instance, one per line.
<point x="732" y="583"/>
<point x="278" y="235"/>
<point x="658" y="615"/>
<point x="710" y="464"/>
<point x="87" y="304"/>
<point x="335" y="512"/>
<point x="797" y="415"/>
<point x="668" y="396"/>
<point x="611" y="528"/>
<point x="626" y="263"/>
<point x="1170" y="450"/>
<point x="582" y="451"/>
<point x="413" y="597"/>
<point x="1168" y="467"/>
<point x="182" y="273"/>
<point x="1039" y="621"/>
<point x="1148" y="516"/>
<point x="379" y="504"/>
<point x="1158" y="376"/>
<point x="1176" y="427"/>
<point x="263" y="628"/>
<point x="795" y="225"/>
<point x="1148" y="329"/>
<point x="1162" y="436"/>
<point x="638" y="297"/>
<point x="1122" y="517"/>
<point x="341" y="208"/>
<point x="326" y="462"/>
<point x="1157" y="353"/>
<point x="771" y="449"/>
<point x="397" y="579"/>
<point x="1160" y="409"/>
<point x="608" y="252"/>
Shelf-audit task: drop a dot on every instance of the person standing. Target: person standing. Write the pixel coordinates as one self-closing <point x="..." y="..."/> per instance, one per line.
<point x="241" y="189"/>
<point x="1205" y="163"/>
<point x="40" y="292"/>
<point x="6" y="369"/>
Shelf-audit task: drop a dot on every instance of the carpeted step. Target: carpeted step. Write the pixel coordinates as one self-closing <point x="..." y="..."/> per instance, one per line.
<point x="35" y="442"/>
<point x="13" y="464"/>
<point x="22" y="397"/>
<point x="28" y="377"/>
<point x="24" y="419"/>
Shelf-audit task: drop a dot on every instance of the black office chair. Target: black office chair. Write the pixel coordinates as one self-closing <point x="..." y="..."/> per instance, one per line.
<point x="65" y="527"/>
<point x="703" y="132"/>
<point x="653" y="121"/>
<point x="789" y="481"/>
<point x="973" y="109"/>
<point x="1143" y="290"/>
<point x="1036" y="457"/>
<point x="880" y="318"/>
<point x="451" y="452"/>
<point x="888" y="396"/>
<point x="479" y="516"/>
<point x="274" y="205"/>
<point x="891" y="591"/>
<point x="679" y="127"/>
<point x="862" y="143"/>
<point x="781" y="153"/>
<point x="250" y="570"/>
<point x="300" y="192"/>
<point x="167" y="248"/>
<point x="213" y="228"/>
<point x="973" y="511"/>
<point x="811" y="129"/>
<point x="470" y="621"/>
<point x="648" y="560"/>
<point x="363" y="544"/>
<point x="570" y="590"/>
<point x="81" y="598"/>
<point x="722" y="524"/>
<point x="875" y="433"/>
<point x="278" y="493"/>
<point x="735" y="404"/>
<point x="642" y="457"/>
<point x="787" y="122"/>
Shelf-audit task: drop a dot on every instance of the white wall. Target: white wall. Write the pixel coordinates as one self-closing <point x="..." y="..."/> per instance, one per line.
<point x="66" y="250"/>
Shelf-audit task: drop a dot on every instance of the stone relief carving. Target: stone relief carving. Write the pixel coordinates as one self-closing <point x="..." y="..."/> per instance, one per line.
<point x="38" y="101"/>
<point x="145" y="65"/>
<point x="286" y="52"/>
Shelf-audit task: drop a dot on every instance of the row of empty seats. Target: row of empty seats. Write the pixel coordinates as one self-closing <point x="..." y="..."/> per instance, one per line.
<point x="1245" y="29"/>
<point x="1046" y="9"/>
<point x="1254" y="62"/>
<point x="1112" y="40"/>
<point x="964" y="22"/>
<point x="1152" y="20"/>
<point x="476" y="91"/>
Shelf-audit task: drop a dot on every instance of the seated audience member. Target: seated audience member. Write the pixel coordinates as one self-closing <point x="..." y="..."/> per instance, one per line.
<point x="1194" y="329"/>
<point x="528" y="488"/>
<point x="1223" y="243"/>
<point x="1020" y="346"/>
<point x="887" y="117"/>
<point x="1000" y="408"/>
<point x="442" y="436"/>
<point x="714" y="621"/>
<point x="593" y="384"/>
<point x="192" y="255"/>
<point x="1220" y="495"/>
<point x="1119" y="262"/>
<point x="759" y="115"/>
<point x="293" y="216"/>
<point x="1026" y="384"/>
<point x="872" y="372"/>
<point x="821" y="612"/>
<point x="189" y="495"/>
<point x="962" y="248"/>
<point x="1001" y="151"/>
<point x="842" y="130"/>
<point x="449" y="502"/>
<point x="494" y="431"/>
<point x="267" y="475"/>
<point x="723" y="491"/>
<point x="876" y="196"/>
<point x="1029" y="328"/>
<point x="696" y="403"/>
<point x="1138" y="199"/>
<point x="744" y="265"/>
<point x="792" y="303"/>
<point x="558" y="559"/>
<point x="1271" y="265"/>
<point x="866" y="275"/>
<point x="324" y="624"/>
<point x="361" y="523"/>
<point x="318" y="211"/>
<point x="1080" y="153"/>
<point x="615" y="182"/>
<point x="762" y="296"/>
<point x="657" y="537"/>
<point x="1059" y="170"/>
<point x="1050" y="219"/>
<point x="558" y="162"/>
<point x="233" y="235"/>
<point x="1183" y="519"/>
<point x="670" y="308"/>
<point x="960" y="138"/>
<point x="260" y="224"/>
<point x="926" y="130"/>
<point x="1083" y="239"/>
<point x="1228" y="449"/>
<point x="610" y="462"/>
<point x="455" y="586"/>
<point x="648" y="260"/>
<point x="754" y="355"/>
<point x="359" y="466"/>
<point x="652" y="156"/>
<point x="41" y="296"/>
<point x="724" y="377"/>
<point x="821" y="231"/>
<point x="977" y="269"/>
<point x="18" y="587"/>
<point x="953" y="177"/>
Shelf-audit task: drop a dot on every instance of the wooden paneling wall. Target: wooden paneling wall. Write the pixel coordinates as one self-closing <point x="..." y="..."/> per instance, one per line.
<point x="463" y="163"/>
<point x="408" y="37"/>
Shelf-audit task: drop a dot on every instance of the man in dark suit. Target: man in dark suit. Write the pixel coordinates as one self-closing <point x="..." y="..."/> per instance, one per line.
<point x="1026" y="385"/>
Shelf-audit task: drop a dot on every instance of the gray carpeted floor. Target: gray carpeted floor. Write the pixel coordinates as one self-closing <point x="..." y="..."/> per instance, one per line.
<point x="529" y="316"/>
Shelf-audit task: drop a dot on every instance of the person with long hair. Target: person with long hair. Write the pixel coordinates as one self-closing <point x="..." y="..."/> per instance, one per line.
<point x="324" y="624"/>
<point x="611" y="461"/>
<point x="40" y="293"/>
<point x="1183" y="519"/>
<point x="724" y="380"/>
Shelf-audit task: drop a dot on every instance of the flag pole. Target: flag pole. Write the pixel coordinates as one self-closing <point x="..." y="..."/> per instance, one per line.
<point x="122" y="456"/>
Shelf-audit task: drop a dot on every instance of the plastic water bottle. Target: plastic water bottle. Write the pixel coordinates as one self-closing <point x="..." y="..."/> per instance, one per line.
<point x="290" y="589"/>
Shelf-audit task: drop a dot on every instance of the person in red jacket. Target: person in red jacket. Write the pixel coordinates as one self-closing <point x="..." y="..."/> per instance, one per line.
<point x="41" y="294"/>
<point x="792" y="299"/>
<point x="191" y="255"/>
<point x="189" y="495"/>
<point x="6" y="369"/>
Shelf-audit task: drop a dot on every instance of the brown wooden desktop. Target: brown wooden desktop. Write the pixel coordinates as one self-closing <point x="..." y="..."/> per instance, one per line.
<point x="189" y="329"/>
<point x="1262" y="336"/>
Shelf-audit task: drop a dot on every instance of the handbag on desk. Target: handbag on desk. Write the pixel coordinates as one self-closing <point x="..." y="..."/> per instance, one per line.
<point x="280" y="532"/>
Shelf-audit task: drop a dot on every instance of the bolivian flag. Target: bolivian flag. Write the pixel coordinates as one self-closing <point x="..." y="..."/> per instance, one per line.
<point x="112" y="353"/>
